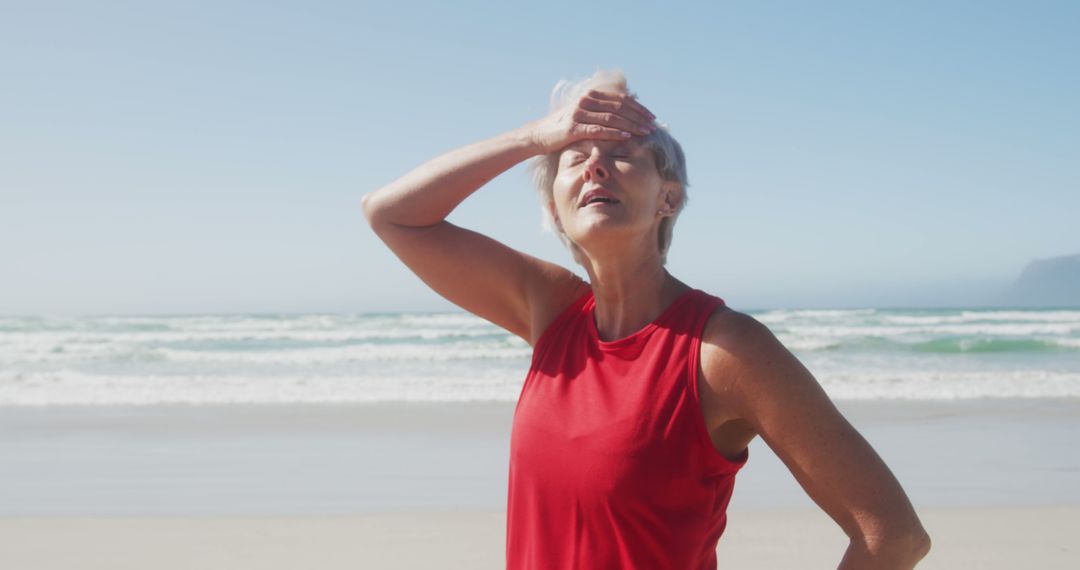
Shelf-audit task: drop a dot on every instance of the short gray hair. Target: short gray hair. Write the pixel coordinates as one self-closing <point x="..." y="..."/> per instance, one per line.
<point x="668" y="154"/>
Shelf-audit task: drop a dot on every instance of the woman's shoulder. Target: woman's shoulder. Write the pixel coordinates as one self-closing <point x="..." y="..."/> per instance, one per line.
<point x="742" y="358"/>
<point x="732" y="338"/>
<point x="733" y="331"/>
<point x="734" y="346"/>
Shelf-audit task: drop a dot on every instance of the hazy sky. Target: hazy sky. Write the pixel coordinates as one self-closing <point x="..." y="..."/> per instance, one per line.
<point x="210" y="156"/>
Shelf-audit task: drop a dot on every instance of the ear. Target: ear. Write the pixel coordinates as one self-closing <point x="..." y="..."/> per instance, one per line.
<point x="671" y="194"/>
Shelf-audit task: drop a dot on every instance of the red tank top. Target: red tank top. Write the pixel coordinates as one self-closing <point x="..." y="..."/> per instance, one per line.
<point x="611" y="465"/>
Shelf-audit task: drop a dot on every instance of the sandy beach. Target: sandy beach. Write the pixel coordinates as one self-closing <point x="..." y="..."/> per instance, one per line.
<point x="1002" y="538"/>
<point x="423" y="485"/>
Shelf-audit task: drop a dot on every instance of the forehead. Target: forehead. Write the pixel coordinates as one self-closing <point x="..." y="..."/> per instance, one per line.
<point x="631" y="145"/>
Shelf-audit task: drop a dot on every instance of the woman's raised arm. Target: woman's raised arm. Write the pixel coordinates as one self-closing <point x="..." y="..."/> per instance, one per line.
<point x="514" y="290"/>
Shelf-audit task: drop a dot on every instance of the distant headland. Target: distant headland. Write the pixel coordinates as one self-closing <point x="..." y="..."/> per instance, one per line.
<point x="1051" y="282"/>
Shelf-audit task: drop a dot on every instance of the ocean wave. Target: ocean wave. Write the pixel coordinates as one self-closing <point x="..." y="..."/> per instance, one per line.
<point x="1026" y="315"/>
<point x="68" y="387"/>
<point x="928" y="344"/>
<point x="72" y="387"/>
<point x="390" y="334"/>
<point x="856" y="354"/>
<point x="272" y="350"/>
<point x="772" y="316"/>
<point x="351" y="353"/>
<point x="45" y="347"/>
<point x="957" y="385"/>
<point x="989" y="345"/>
<point x="112" y="352"/>
<point x="229" y="323"/>
<point x="973" y="329"/>
<point x="1071" y="317"/>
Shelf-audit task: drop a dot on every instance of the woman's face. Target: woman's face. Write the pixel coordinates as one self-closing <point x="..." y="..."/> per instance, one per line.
<point x="606" y="189"/>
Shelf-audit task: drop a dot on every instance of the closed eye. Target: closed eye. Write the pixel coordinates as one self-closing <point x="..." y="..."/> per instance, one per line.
<point x="621" y="153"/>
<point x="571" y="157"/>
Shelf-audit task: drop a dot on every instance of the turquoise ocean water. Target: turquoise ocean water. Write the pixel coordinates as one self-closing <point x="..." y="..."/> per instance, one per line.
<point x="864" y="354"/>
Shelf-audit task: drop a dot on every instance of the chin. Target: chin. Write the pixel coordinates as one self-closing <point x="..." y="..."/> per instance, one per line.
<point x="599" y="229"/>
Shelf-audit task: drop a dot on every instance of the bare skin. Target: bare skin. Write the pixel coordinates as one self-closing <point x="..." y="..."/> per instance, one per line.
<point x="750" y="384"/>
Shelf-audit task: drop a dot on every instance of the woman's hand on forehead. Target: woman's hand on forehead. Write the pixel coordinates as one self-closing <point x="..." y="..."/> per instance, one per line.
<point x="595" y="116"/>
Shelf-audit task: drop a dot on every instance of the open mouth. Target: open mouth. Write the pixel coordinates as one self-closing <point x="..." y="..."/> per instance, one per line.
<point x="597" y="196"/>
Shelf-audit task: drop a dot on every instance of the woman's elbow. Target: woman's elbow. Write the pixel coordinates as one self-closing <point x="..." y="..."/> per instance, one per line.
<point x="901" y="549"/>
<point x="368" y="205"/>
<point x="922" y="544"/>
<point x="917" y="544"/>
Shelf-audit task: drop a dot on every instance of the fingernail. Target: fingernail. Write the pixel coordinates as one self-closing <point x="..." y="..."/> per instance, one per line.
<point x="625" y="134"/>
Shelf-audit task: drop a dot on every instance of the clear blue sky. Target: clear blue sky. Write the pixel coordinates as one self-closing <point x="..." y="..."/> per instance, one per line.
<point x="210" y="156"/>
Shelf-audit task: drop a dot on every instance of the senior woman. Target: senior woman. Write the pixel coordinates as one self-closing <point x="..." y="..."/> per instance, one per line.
<point x="643" y="393"/>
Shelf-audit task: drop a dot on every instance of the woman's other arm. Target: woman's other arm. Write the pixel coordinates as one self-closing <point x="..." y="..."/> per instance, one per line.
<point x="748" y="368"/>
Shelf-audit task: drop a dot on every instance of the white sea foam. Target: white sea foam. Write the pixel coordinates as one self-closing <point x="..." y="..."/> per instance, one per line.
<point x="856" y="354"/>
<point x="71" y="387"/>
<point x="808" y="343"/>
<point x="911" y="385"/>
<point x="1066" y="342"/>
<point x="1033" y="315"/>
<point x="45" y="354"/>
<point x="776" y="316"/>
<point x="357" y="353"/>
<point x="51" y="339"/>
<point x="68" y="387"/>
<point x="984" y="329"/>
<point x="1072" y="317"/>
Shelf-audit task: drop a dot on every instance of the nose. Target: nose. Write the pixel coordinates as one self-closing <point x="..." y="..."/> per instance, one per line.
<point x="594" y="168"/>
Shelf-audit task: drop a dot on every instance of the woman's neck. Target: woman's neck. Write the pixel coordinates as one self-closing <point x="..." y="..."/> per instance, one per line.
<point x="630" y="293"/>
